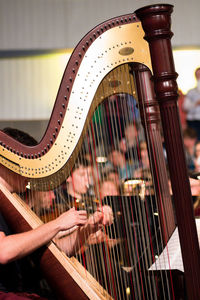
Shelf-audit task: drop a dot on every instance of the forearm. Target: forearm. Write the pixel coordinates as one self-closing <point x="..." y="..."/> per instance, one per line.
<point x="19" y="245"/>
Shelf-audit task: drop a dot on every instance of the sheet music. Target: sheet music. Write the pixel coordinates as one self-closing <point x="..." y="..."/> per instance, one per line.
<point x="171" y="257"/>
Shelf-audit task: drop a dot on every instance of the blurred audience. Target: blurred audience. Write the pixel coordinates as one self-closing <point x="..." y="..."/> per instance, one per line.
<point x="43" y="203"/>
<point x="144" y="169"/>
<point x="108" y="188"/>
<point x="197" y="157"/>
<point x="124" y="168"/>
<point x="182" y="112"/>
<point x="78" y="181"/>
<point x="129" y="145"/>
<point x="191" y="105"/>
<point x="189" y="141"/>
<point x="111" y="174"/>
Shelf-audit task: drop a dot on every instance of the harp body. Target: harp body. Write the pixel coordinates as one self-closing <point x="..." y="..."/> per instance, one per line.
<point x="138" y="45"/>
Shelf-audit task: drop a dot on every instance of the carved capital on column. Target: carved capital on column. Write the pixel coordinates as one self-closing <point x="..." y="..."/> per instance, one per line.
<point x="156" y="22"/>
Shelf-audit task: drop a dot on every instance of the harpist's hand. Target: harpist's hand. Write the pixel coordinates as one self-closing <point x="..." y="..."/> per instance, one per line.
<point x="107" y="213"/>
<point x="101" y="237"/>
<point x="71" y="218"/>
<point x="103" y="216"/>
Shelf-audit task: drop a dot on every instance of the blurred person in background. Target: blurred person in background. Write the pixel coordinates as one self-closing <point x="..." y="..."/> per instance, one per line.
<point x="191" y="106"/>
<point x="182" y="112"/>
<point x="189" y="141"/>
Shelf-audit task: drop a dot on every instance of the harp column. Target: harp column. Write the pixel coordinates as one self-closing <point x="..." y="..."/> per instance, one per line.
<point x="150" y="116"/>
<point x="156" y="21"/>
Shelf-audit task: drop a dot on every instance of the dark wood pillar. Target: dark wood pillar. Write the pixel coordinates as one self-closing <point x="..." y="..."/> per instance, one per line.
<point x="156" y="22"/>
<point x="150" y="116"/>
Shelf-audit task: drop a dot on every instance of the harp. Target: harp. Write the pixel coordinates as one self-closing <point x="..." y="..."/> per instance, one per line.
<point x="130" y="55"/>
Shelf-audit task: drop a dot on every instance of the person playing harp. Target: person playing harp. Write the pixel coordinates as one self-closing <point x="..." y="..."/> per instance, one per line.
<point x="14" y="247"/>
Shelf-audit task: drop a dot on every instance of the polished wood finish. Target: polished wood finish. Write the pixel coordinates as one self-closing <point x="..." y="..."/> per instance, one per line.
<point x="156" y="21"/>
<point x="150" y="117"/>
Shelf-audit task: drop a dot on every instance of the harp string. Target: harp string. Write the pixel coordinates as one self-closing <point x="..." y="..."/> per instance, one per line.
<point x="105" y="248"/>
<point x="134" y="156"/>
<point x="99" y="256"/>
<point x="116" y="122"/>
<point x="94" y="150"/>
<point x="121" y="136"/>
<point x="109" y="109"/>
<point x="141" y="241"/>
<point x="148" y="141"/>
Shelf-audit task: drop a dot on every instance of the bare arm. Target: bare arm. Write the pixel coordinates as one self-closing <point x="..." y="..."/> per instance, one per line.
<point x="19" y="245"/>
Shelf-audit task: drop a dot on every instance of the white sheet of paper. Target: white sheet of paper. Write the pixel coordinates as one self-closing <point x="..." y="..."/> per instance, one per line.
<point x="171" y="257"/>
